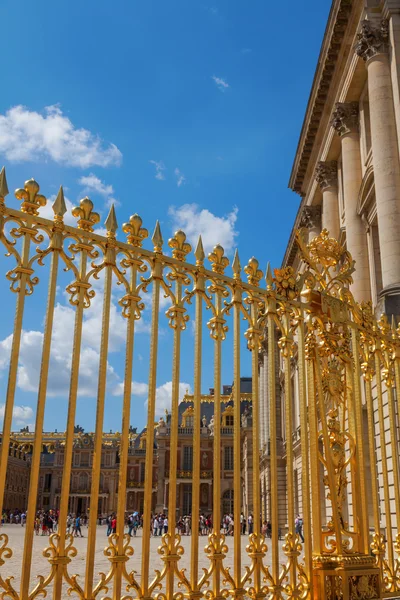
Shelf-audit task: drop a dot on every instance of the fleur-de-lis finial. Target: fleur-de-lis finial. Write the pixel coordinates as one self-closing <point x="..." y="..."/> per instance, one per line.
<point x="236" y="267"/>
<point x="87" y="218"/>
<point x="179" y="245"/>
<point x="31" y="199"/>
<point x="254" y="274"/>
<point x="269" y="278"/>
<point x="111" y="223"/>
<point x="134" y="230"/>
<point x="199" y="253"/>
<point x="3" y="185"/>
<point x="157" y="238"/>
<point x="217" y="259"/>
<point x="59" y="207"/>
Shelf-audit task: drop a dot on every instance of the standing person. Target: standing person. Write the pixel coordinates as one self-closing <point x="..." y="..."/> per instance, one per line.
<point x="109" y="528"/>
<point x="269" y="529"/>
<point x="78" y="526"/>
<point x="166" y="524"/>
<point x="298" y="525"/>
<point x="250" y="523"/>
<point x="114" y="524"/>
<point x="130" y="525"/>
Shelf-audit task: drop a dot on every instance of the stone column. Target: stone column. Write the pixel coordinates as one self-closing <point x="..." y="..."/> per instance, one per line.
<point x="345" y="122"/>
<point x="311" y="220"/>
<point x="326" y="176"/>
<point x="373" y="45"/>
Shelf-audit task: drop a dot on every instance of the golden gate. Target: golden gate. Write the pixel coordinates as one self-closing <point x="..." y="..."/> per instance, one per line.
<point x="345" y="359"/>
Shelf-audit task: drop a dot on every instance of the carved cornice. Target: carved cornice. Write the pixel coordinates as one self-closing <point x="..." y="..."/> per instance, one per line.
<point x="310" y="217"/>
<point x="326" y="174"/>
<point x="334" y="35"/>
<point x="371" y="40"/>
<point x="345" y="117"/>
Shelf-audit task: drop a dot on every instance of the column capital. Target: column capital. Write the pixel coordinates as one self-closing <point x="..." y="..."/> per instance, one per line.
<point x="310" y="217"/>
<point x="326" y="174"/>
<point x="345" y="118"/>
<point x="372" y="39"/>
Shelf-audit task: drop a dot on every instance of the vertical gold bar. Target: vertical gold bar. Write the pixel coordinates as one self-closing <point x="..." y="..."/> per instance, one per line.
<point x="372" y="451"/>
<point x="255" y="347"/>
<point x="14" y="358"/>
<point x="126" y="412"/>
<point x="359" y="437"/>
<point x="287" y="351"/>
<point x="273" y="449"/>
<point x="69" y="437"/>
<point x="314" y="460"/>
<point x="237" y="487"/>
<point x="217" y="441"/>
<point x="393" y="442"/>
<point x="98" y="436"/>
<point x="37" y="447"/>
<point x="194" y="572"/>
<point x="328" y="457"/>
<point x="388" y="516"/>
<point x="305" y="474"/>
<point x="148" y="487"/>
<point x="393" y="430"/>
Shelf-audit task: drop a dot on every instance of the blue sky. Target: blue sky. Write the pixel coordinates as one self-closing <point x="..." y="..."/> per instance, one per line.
<point x="185" y="111"/>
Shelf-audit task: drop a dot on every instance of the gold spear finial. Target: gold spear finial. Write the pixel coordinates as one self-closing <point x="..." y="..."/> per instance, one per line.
<point x="269" y="278"/>
<point x="3" y="184"/>
<point x="84" y="212"/>
<point x="236" y="266"/>
<point x="254" y="274"/>
<point x="199" y="252"/>
<point x="59" y="206"/>
<point x="31" y="199"/>
<point x="157" y="238"/>
<point x="179" y="245"/>
<point x="217" y="259"/>
<point x="111" y="222"/>
<point x="134" y="230"/>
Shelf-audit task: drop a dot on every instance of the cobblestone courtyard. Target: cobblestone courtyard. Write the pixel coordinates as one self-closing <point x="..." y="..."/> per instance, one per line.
<point x="12" y="566"/>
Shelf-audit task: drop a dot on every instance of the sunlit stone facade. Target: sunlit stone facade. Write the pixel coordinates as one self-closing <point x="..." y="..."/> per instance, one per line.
<point x="347" y="173"/>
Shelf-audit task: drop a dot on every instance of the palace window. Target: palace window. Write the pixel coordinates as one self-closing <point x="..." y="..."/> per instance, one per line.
<point x="77" y="459"/>
<point x="187" y="458"/>
<point x="228" y="458"/>
<point x="142" y="471"/>
<point x="229" y="421"/>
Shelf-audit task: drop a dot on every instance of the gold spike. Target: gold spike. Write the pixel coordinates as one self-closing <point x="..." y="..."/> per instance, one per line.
<point x="31" y="199"/>
<point x="269" y="278"/>
<point x="236" y="266"/>
<point x="199" y="252"/>
<point x="157" y="238"/>
<point x="218" y="260"/>
<point x="254" y="274"/>
<point x="111" y="222"/>
<point x="59" y="207"/>
<point x="3" y="184"/>
<point x="136" y="233"/>
<point x="87" y="218"/>
<point x="179" y="245"/>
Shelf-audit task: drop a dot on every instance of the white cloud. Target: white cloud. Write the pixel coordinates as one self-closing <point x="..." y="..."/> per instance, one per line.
<point x="27" y="135"/>
<point x="138" y="389"/>
<point x="180" y="178"/>
<point x="164" y="395"/>
<point x="160" y="168"/>
<point x="195" y="221"/>
<point x="220" y="83"/>
<point x="47" y="212"/>
<point x="21" y="414"/>
<point x="91" y="183"/>
<point x="61" y="349"/>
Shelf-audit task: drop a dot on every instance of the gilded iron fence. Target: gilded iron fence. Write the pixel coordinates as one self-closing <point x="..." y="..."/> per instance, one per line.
<point x="346" y="363"/>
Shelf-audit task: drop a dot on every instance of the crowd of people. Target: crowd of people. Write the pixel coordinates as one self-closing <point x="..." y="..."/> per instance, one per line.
<point x="47" y="522"/>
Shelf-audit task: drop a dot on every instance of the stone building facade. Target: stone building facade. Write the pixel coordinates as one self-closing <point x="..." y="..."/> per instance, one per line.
<point x="52" y="461"/>
<point x="347" y="173"/>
